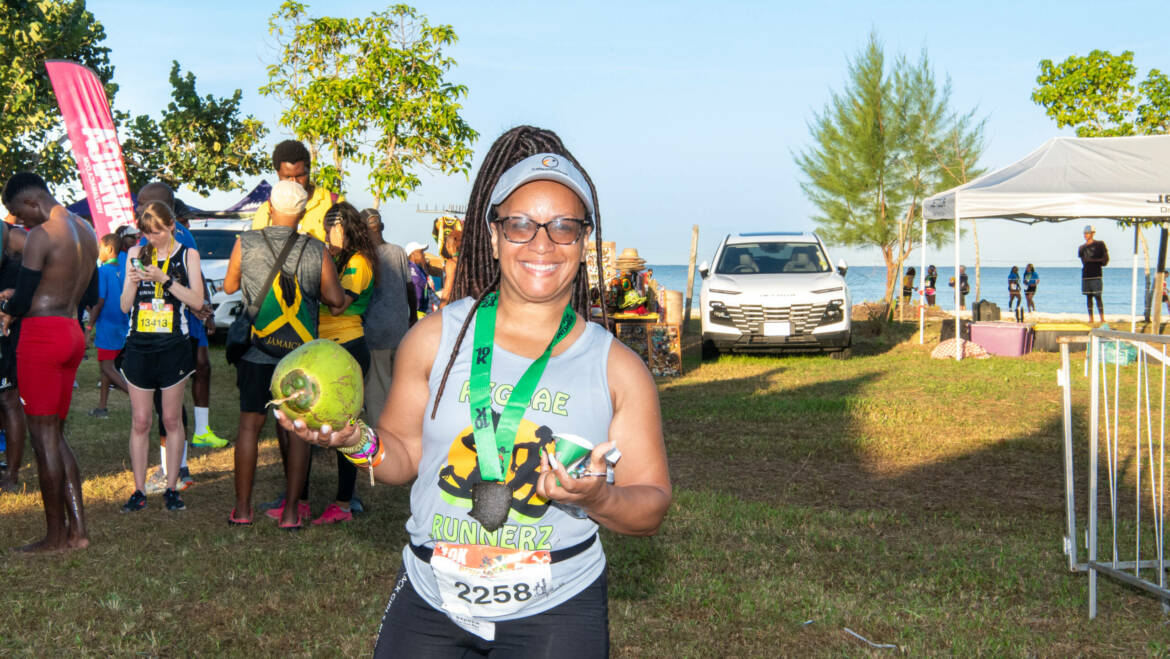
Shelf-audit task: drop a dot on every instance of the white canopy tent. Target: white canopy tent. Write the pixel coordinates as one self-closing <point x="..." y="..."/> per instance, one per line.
<point x="1066" y="178"/>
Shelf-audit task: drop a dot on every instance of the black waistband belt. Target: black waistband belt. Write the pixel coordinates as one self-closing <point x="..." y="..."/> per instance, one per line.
<point x="556" y="555"/>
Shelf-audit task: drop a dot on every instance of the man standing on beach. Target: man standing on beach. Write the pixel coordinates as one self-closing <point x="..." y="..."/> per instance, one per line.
<point x="1093" y="256"/>
<point x="57" y="275"/>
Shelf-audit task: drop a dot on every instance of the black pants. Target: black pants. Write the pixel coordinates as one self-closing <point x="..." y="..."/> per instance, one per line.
<point x="346" y="471"/>
<point x="576" y="629"/>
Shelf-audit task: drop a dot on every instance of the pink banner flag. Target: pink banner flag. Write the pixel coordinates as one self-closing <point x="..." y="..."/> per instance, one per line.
<point x="86" y="111"/>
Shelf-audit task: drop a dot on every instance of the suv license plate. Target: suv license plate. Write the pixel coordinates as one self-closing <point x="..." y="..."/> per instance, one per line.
<point x="781" y="328"/>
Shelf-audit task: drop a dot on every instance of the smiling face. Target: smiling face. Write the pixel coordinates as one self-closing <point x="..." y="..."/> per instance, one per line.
<point x="539" y="270"/>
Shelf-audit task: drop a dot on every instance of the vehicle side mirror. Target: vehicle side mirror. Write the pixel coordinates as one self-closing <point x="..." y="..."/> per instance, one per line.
<point x="842" y="267"/>
<point x="704" y="269"/>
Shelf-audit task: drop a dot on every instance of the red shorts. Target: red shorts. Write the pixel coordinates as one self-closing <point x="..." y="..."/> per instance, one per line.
<point x="107" y="355"/>
<point x="47" y="356"/>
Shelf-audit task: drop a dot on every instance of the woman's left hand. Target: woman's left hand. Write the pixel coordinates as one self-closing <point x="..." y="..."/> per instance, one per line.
<point x="556" y="484"/>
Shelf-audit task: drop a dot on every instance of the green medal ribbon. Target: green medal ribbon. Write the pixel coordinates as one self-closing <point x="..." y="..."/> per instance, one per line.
<point x="497" y="442"/>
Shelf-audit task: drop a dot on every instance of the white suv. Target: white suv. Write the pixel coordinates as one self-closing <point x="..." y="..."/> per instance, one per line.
<point x="772" y="292"/>
<point x="216" y="236"/>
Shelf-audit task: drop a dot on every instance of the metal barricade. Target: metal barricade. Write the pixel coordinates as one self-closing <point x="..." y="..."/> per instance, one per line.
<point x="1144" y="568"/>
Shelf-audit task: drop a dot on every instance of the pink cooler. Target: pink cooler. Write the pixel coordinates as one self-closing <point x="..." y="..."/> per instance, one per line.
<point x="1003" y="338"/>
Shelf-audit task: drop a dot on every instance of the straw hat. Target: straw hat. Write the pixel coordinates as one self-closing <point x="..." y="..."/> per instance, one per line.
<point x="629" y="260"/>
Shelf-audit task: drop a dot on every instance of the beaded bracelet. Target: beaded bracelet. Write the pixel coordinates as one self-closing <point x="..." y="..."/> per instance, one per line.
<point x="369" y="453"/>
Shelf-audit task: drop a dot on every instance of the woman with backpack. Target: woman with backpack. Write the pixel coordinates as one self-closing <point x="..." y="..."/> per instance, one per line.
<point x="162" y="279"/>
<point x="270" y="266"/>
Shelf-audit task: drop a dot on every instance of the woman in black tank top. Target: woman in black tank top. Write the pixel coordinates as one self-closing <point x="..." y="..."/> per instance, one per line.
<point x="162" y="279"/>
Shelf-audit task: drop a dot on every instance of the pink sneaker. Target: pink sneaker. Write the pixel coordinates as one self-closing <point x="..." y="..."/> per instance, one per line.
<point x="333" y="514"/>
<point x="302" y="510"/>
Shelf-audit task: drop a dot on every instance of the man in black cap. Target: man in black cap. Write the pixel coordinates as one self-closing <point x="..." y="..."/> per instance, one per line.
<point x="1094" y="256"/>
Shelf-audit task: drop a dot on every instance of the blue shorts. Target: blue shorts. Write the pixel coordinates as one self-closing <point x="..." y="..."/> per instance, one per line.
<point x="195" y="329"/>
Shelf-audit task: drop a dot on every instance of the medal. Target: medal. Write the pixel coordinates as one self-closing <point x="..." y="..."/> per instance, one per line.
<point x="490" y="502"/>
<point x="492" y="497"/>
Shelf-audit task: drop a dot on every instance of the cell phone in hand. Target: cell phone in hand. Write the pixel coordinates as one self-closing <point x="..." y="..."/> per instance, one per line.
<point x="137" y="263"/>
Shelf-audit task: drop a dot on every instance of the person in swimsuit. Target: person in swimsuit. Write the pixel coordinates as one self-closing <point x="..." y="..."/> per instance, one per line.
<point x="58" y="274"/>
<point x="929" y="281"/>
<point x="485" y="394"/>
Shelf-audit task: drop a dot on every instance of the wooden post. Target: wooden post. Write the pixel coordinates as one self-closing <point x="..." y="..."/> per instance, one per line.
<point x="1159" y="279"/>
<point x="690" y="278"/>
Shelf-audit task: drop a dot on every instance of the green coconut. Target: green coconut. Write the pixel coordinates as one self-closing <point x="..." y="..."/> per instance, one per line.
<point x="319" y="383"/>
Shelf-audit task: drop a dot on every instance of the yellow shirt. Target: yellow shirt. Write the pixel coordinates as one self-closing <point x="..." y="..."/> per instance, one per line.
<point x="313" y="222"/>
<point x="357" y="280"/>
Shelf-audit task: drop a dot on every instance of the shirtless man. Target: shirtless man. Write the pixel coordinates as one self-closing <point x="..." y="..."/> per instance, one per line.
<point x="60" y="257"/>
<point x="12" y="239"/>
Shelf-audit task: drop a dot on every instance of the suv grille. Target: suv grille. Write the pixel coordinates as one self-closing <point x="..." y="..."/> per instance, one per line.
<point x="750" y="318"/>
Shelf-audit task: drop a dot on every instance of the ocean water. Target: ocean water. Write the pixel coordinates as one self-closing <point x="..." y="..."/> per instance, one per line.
<point x="1059" y="290"/>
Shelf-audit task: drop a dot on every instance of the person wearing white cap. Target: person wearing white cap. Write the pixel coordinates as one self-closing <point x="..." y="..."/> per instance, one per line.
<point x="1094" y="256"/>
<point x="487" y="393"/>
<point x="420" y="272"/>
<point x="251" y="262"/>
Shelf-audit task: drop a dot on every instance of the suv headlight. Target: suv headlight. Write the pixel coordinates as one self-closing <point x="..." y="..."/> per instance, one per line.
<point x="834" y="312"/>
<point x="719" y="313"/>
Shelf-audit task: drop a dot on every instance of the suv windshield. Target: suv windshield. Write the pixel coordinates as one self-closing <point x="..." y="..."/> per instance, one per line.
<point x="771" y="258"/>
<point x="215" y="243"/>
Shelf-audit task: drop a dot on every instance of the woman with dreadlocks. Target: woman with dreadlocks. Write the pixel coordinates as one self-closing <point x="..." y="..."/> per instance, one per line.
<point x="356" y="260"/>
<point x="503" y="554"/>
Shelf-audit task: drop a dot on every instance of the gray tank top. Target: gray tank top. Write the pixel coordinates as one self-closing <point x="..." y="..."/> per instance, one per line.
<point x="572" y="397"/>
<point x="256" y="258"/>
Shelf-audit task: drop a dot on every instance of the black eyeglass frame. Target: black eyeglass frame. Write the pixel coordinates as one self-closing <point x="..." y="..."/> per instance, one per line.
<point x="583" y="224"/>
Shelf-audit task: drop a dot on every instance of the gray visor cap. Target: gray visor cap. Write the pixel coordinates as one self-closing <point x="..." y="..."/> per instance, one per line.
<point x="542" y="167"/>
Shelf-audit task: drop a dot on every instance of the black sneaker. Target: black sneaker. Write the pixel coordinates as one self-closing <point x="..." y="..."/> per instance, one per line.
<point x="136" y="502"/>
<point x="174" y="502"/>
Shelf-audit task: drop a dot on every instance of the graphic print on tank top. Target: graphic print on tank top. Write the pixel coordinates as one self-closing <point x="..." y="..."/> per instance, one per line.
<point x="458" y="477"/>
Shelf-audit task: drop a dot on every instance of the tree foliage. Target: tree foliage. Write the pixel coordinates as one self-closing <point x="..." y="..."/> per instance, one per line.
<point x="1096" y="95"/>
<point x="200" y="142"/>
<point x="31" y="32"/>
<point x="373" y="92"/>
<point x="880" y="147"/>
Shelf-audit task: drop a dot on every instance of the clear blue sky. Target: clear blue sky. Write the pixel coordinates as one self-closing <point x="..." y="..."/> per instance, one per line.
<point x="683" y="113"/>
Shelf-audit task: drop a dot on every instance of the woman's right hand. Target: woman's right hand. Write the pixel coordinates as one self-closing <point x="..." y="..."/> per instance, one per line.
<point x="346" y="436"/>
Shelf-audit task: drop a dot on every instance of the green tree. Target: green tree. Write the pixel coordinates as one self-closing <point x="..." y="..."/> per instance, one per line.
<point x="1096" y="95"/>
<point x="880" y="147"/>
<point x="371" y="92"/>
<point x="200" y="142"/>
<point x="32" y="135"/>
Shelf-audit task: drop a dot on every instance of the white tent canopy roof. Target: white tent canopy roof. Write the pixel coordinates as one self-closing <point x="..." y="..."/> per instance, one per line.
<point x="1069" y="177"/>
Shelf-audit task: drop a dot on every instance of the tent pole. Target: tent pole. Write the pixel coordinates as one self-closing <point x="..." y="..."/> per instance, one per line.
<point x="922" y="289"/>
<point x="1133" y="287"/>
<point x="958" y="286"/>
<point x="1159" y="283"/>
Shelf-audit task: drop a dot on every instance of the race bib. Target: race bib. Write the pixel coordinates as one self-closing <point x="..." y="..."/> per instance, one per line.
<point x="155" y="316"/>
<point x="478" y="581"/>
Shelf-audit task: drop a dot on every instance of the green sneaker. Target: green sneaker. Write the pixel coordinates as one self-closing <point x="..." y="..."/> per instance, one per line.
<point x="208" y="440"/>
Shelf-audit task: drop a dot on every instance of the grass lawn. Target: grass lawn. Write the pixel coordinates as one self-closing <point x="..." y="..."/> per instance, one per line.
<point x="917" y="502"/>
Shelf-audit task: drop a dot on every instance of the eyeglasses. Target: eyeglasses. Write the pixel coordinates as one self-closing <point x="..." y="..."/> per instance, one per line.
<point x="562" y="231"/>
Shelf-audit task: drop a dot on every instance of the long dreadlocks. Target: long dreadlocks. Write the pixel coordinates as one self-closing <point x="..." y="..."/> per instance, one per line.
<point x="477" y="272"/>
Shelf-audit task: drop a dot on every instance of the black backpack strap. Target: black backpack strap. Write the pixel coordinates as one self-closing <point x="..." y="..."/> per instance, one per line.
<point x="254" y="308"/>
